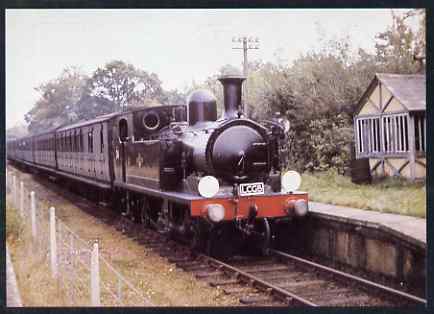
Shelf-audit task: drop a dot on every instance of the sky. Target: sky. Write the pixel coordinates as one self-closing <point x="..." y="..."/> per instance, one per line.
<point x="178" y="45"/>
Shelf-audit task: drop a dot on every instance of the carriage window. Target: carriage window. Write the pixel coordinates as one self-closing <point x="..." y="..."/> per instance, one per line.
<point x="101" y="139"/>
<point x="90" y="141"/>
<point x="81" y="141"/>
<point x="123" y="130"/>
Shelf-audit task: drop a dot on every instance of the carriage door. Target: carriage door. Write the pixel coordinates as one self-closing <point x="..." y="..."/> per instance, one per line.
<point x="123" y="138"/>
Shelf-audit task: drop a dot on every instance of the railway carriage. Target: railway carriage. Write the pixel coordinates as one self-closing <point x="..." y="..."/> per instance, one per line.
<point x="44" y="149"/>
<point x="84" y="150"/>
<point x="218" y="183"/>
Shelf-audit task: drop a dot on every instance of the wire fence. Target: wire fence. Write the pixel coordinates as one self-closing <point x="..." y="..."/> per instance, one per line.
<point x="85" y="276"/>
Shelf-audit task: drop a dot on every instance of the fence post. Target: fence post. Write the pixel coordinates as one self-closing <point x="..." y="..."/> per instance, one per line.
<point x="94" y="276"/>
<point x="53" y="246"/>
<point x="14" y="191"/>
<point x="33" y="213"/>
<point x="59" y="243"/>
<point x="22" y="198"/>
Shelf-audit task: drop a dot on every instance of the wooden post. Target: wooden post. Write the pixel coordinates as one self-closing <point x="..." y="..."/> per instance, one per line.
<point x="356" y="137"/>
<point x="419" y="132"/>
<point x="382" y="147"/>
<point x="411" y="147"/>
<point x="53" y="244"/>
<point x="33" y="213"/>
<point x="94" y="276"/>
<point x="14" y="191"/>
<point x="22" y="198"/>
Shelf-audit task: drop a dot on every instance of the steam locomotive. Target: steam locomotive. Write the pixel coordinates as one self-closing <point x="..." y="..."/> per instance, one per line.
<point x="217" y="183"/>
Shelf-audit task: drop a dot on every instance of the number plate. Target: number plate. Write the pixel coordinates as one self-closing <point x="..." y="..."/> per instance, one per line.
<point x="256" y="188"/>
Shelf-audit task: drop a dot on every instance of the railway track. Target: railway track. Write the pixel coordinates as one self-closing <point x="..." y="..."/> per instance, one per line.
<point x="280" y="279"/>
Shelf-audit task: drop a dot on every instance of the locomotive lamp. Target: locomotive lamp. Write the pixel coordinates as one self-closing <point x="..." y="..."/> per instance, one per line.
<point x="216" y="212"/>
<point x="291" y="181"/>
<point x="208" y="186"/>
<point x="300" y="208"/>
<point x="297" y="207"/>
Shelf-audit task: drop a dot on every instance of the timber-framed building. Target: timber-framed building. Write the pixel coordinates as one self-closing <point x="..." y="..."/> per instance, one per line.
<point x="390" y="125"/>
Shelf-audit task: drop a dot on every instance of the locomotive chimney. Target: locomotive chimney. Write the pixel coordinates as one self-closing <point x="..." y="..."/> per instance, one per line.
<point x="232" y="95"/>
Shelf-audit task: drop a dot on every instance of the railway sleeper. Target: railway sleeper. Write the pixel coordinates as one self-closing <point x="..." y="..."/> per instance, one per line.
<point x="283" y="277"/>
<point x="248" y="262"/>
<point x="264" y="270"/>
<point x="205" y="274"/>
<point x="319" y="294"/>
<point x="350" y="301"/>
<point x="257" y="299"/>
<point x="239" y="290"/>
<point x="197" y="267"/>
<point x="224" y="282"/>
<point x="302" y="284"/>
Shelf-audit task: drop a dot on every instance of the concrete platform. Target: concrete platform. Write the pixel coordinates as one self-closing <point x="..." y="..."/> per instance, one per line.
<point x="407" y="228"/>
<point x="13" y="298"/>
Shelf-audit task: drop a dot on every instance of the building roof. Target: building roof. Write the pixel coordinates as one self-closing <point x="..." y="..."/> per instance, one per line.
<point x="408" y="89"/>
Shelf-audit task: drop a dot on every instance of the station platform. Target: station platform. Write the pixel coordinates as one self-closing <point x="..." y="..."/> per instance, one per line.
<point x="410" y="229"/>
<point x="13" y="298"/>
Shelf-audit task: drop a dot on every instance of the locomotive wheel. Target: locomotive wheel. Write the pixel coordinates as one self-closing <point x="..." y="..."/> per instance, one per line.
<point x="259" y="241"/>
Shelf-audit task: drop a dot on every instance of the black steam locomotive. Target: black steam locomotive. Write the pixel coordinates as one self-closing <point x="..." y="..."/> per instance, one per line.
<point x="216" y="183"/>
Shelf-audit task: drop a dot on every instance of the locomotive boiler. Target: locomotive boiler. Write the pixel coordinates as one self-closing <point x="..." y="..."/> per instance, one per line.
<point x="217" y="183"/>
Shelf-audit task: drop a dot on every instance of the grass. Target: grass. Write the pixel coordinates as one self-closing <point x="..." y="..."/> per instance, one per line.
<point x="30" y="263"/>
<point x="389" y="195"/>
<point x="14" y="224"/>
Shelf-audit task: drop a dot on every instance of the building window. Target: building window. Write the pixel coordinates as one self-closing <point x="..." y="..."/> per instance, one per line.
<point x="368" y="135"/>
<point x="388" y="134"/>
<point x="395" y="133"/>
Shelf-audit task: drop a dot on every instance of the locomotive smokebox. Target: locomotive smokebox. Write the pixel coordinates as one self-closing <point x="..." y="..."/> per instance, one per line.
<point x="232" y="95"/>
<point x="202" y="106"/>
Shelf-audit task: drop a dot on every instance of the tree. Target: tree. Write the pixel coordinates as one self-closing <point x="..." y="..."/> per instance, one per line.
<point x="396" y="47"/>
<point x="17" y="131"/>
<point x="123" y="84"/>
<point x="57" y="102"/>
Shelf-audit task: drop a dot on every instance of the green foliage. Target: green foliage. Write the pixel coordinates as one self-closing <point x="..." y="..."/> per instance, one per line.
<point x="390" y="195"/>
<point x="123" y="84"/>
<point x="17" y="131"/>
<point x="395" y="48"/>
<point x="57" y="104"/>
<point x="329" y="141"/>
<point x="74" y="96"/>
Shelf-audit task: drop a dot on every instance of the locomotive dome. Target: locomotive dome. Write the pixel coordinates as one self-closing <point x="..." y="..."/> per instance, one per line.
<point x="202" y="106"/>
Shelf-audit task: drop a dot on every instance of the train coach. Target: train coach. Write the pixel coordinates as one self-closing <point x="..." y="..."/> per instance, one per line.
<point x="217" y="183"/>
